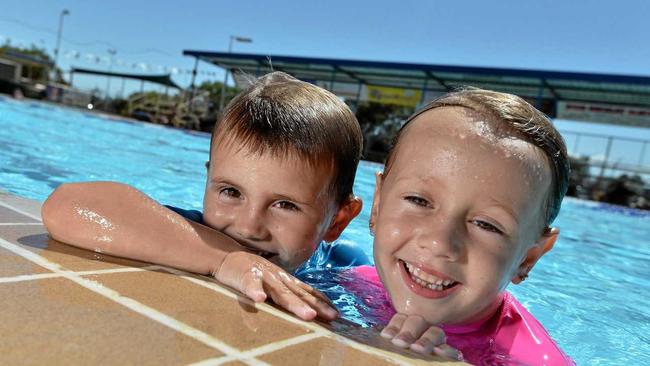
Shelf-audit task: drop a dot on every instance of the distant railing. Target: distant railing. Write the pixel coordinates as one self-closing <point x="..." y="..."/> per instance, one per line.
<point x="605" y="159"/>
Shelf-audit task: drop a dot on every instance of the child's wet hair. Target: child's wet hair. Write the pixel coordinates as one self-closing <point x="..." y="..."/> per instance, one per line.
<point x="285" y="117"/>
<point x="515" y="117"/>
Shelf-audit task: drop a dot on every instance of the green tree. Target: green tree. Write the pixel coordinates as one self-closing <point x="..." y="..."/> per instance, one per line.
<point x="214" y="88"/>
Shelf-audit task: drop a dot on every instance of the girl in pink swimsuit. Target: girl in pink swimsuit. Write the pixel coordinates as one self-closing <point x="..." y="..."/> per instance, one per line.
<point x="463" y="208"/>
<point x="510" y="336"/>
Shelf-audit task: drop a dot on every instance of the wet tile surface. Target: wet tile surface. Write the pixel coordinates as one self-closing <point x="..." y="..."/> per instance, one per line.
<point x="35" y="239"/>
<point x="55" y="321"/>
<point x="237" y="323"/>
<point x="31" y="207"/>
<point x="322" y="352"/>
<point x="177" y="322"/>
<point x="12" y="265"/>
<point x="7" y="215"/>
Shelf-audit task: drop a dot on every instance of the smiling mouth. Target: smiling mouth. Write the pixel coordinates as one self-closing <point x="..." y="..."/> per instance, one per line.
<point x="428" y="280"/>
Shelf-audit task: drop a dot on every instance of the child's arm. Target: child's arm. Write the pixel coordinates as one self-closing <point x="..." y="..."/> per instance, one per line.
<point x="117" y="219"/>
<point x="412" y="331"/>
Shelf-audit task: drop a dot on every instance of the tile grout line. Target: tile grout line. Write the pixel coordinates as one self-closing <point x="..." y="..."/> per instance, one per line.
<point x="20" y="223"/>
<point x="260" y="306"/>
<point x="23" y="278"/>
<point x="127" y="302"/>
<point x="39" y="276"/>
<point x="269" y="309"/>
<point x="93" y="286"/>
<point x="24" y="213"/>
<point x="258" y="351"/>
<point x="280" y="314"/>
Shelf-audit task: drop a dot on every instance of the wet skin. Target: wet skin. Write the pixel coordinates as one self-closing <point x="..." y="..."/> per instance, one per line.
<point x="281" y="207"/>
<point x="460" y="203"/>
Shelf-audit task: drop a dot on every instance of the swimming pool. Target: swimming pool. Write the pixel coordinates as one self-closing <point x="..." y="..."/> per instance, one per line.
<point x="589" y="292"/>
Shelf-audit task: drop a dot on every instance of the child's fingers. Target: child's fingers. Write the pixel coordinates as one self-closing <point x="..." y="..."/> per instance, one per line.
<point x="393" y="326"/>
<point x="446" y="350"/>
<point x="411" y="330"/>
<point x="287" y="299"/>
<point x="324" y="309"/>
<point x="433" y="337"/>
<point x="253" y="287"/>
<point x="314" y="298"/>
<point x="315" y="292"/>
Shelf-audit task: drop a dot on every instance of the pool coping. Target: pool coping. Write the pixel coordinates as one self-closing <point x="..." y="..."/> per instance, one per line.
<point x="47" y="265"/>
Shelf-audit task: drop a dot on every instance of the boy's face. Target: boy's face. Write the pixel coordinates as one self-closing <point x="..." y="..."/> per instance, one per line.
<point x="458" y="216"/>
<point x="280" y="207"/>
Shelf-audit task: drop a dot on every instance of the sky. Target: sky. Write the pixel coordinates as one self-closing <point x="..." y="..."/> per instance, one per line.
<point x="150" y="36"/>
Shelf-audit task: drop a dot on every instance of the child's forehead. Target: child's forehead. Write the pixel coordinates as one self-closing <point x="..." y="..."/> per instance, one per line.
<point x="279" y="162"/>
<point x="454" y="138"/>
<point x="463" y="126"/>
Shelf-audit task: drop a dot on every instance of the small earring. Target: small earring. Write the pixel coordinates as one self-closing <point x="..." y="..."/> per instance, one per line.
<point x="371" y="227"/>
<point x="522" y="277"/>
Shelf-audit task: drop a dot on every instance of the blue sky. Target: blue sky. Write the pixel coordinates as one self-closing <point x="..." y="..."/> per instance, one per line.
<point x="592" y="36"/>
<point x="589" y="36"/>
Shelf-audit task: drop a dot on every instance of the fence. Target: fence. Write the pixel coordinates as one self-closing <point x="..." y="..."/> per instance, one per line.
<point x="609" y="156"/>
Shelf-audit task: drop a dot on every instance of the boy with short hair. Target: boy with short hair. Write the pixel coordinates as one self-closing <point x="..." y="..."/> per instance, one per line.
<point x="282" y="163"/>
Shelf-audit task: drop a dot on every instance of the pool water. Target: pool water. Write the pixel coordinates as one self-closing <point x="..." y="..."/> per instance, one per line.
<point x="590" y="292"/>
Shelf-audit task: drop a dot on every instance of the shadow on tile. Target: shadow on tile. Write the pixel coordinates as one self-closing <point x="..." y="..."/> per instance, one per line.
<point x="71" y="257"/>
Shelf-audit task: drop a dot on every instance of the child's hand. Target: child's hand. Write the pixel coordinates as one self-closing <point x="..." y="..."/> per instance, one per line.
<point x="412" y="331"/>
<point x="258" y="278"/>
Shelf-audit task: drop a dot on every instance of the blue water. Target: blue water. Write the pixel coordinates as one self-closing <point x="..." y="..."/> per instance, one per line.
<point x="590" y="292"/>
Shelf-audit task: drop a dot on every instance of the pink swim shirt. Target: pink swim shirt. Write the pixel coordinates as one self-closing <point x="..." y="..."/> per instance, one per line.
<point x="510" y="336"/>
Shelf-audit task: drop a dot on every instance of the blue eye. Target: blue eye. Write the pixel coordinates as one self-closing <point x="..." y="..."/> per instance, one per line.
<point x="230" y="192"/>
<point x="286" y="205"/>
<point x="418" y="201"/>
<point x="483" y="225"/>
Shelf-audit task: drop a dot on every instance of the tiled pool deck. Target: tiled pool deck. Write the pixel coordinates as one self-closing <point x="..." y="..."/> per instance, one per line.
<point x="63" y="305"/>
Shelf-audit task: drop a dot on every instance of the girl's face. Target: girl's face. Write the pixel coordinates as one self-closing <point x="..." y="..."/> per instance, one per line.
<point x="458" y="216"/>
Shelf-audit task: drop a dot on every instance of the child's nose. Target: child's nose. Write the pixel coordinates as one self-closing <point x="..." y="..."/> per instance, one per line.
<point x="250" y="225"/>
<point x="441" y="241"/>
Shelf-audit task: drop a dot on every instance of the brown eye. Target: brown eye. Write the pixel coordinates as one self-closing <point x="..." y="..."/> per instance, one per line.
<point x="487" y="226"/>
<point x="230" y="192"/>
<point x="286" y="205"/>
<point x="418" y="201"/>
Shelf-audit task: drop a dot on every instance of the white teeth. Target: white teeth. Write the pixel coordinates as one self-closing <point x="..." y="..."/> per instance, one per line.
<point x="427" y="280"/>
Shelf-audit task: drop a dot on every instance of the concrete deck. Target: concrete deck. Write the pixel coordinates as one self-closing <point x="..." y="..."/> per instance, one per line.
<point x="63" y="305"/>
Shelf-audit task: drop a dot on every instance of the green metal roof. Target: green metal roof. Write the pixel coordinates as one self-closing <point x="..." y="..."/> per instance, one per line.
<point x="533" y="84"/>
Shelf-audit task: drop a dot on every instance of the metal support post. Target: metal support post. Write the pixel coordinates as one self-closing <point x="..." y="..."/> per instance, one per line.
<point x="606" y="159"/>
<point x="189" y="104"/>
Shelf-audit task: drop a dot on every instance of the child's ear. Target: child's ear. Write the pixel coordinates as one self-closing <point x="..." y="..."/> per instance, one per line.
<point x="347" y="211"/>
<point x="541" y="247"/>
<point x="379" y="177"/>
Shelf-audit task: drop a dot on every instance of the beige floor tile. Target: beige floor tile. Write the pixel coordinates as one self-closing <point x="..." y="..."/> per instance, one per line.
<point x="57" y="322"/>
<point x="329" y="352"/>
<point x="233" y="322"/>
<point x="371" y="338"/>
<point x="12" y="265"/>
<point x="322" y="352"/>
<point x="35" y="238"/>
<point x="26" y="205"/>
<point x="8" y="215"/>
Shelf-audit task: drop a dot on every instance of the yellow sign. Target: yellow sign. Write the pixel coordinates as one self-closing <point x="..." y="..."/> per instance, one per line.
<point x="391" y="95"/>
